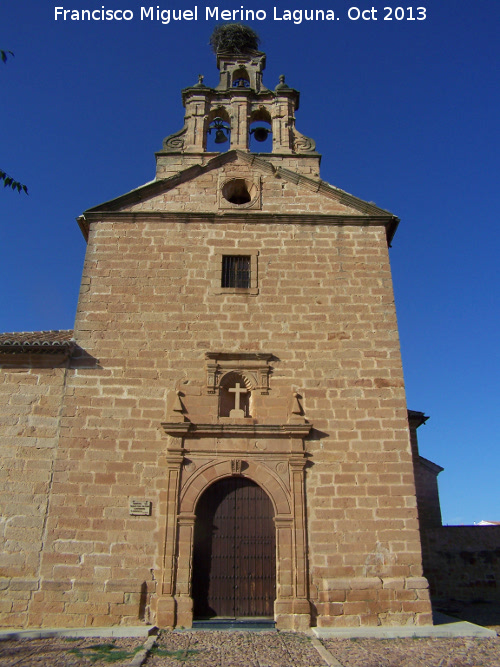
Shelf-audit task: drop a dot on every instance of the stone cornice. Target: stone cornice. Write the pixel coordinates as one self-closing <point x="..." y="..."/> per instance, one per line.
<point x="225" y="217"/>
<point x="188" y="429"/>
<point x="430" y="465"/>
<point x="240" y="356"/>
<point x="416" y="418"/>
<point x="65" y="350"/>
<point x="225" y="95"/>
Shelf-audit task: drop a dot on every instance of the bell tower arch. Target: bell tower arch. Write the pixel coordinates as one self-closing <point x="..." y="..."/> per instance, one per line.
<point x="230" y="110"/>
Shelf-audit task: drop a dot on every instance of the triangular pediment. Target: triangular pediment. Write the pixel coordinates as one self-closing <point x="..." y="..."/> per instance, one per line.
<point x="275" y="190"/>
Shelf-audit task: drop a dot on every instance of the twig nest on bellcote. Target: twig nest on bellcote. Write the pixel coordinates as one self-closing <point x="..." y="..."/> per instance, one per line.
<point x="234" y="38"/>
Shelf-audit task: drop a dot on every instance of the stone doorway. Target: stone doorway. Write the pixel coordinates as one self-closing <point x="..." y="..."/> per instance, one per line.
<point x="234" y="551"/>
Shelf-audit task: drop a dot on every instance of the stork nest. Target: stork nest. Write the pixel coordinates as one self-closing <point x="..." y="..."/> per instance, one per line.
<point x="234" y="38"/>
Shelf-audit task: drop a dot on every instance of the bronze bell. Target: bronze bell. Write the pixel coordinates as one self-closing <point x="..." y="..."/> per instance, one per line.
<point x="220" y="137"/>
<point x="260" y="133"/>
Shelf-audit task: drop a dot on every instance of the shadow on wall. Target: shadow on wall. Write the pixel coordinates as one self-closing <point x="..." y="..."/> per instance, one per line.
<point x="143" y="601"/>
<point x="462" y="564"/>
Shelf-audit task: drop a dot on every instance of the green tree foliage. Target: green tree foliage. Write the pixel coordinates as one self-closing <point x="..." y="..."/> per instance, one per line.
<point x="4" y="55"/>
<point x="8" y="181"/>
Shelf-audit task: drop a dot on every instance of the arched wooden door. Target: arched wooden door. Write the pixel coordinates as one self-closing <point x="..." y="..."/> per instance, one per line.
<point x="234" y="557"/>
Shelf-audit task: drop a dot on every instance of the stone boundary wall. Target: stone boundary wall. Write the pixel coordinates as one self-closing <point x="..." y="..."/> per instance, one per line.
<point x="462" y="562"/>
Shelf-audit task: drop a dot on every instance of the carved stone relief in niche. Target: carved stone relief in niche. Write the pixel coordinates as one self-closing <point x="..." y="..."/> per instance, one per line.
<point x="189" y="467"/>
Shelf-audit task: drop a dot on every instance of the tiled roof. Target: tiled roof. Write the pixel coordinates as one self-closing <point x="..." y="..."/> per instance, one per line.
<point x="40" y="341"/>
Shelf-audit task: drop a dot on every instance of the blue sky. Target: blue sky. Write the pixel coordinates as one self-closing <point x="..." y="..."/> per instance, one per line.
<point x="414" y="109"/>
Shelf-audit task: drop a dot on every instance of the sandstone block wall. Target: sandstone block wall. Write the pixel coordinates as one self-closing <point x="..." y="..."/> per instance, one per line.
<point x="148" y="314"/>
<point x="31" y="391"/>
<point x="201" y="192"/>
<point x="169" y="164"/>
<point x="150" y="308"/>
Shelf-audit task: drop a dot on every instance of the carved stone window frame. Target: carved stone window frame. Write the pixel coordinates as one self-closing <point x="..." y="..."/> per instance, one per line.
<point x="217" y="288"/>
<point x="254" y="186"/>
<point x="255" y="367"/>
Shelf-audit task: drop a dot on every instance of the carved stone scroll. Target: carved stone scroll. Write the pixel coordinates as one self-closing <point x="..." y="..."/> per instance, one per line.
<point x="175" y="142"/>
<point x="302" y="144"/>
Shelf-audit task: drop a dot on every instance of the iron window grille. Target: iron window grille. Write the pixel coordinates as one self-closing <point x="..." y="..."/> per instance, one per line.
<point x="236" y="271"/>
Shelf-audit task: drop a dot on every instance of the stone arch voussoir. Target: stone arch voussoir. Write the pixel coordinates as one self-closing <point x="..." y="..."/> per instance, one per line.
<point x="218" y="469"/>
<point x="248" y="379"/>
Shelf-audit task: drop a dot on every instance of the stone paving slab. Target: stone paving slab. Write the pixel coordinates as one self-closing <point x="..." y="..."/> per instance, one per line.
<point x="112" y="631"/>
<point x="446" y="626"/>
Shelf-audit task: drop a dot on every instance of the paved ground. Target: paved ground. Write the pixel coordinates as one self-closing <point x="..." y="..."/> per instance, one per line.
<point x="236" y="649"/>
<point x="263" y="649"/>
<point x="251" y="649"/>
<point x="467" y="652"/>
<point x="479" y="612"/>
<point x="60" y="652"/>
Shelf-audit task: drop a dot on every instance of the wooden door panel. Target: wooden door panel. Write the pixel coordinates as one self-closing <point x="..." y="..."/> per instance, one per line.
<point x="234" y="563"/>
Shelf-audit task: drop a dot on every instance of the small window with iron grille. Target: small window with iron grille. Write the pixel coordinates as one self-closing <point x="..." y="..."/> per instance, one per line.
<point x="236" y="271"/>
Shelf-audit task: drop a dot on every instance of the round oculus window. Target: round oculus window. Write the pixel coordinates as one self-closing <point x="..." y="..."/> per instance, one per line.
<point x="238" y="191"/>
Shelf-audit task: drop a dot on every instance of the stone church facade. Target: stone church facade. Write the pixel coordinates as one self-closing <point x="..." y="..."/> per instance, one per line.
<point x="225" y="432"/>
